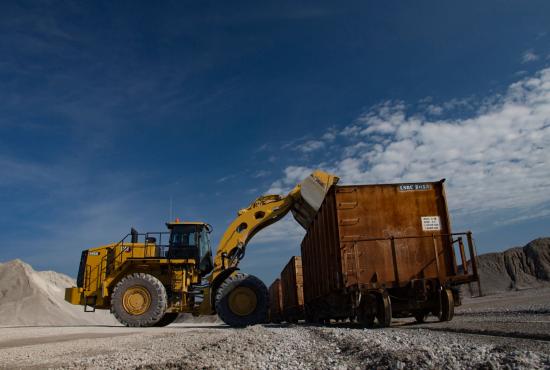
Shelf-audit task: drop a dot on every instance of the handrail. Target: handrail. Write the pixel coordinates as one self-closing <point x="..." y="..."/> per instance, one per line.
<point x="360" y="238"/>
<point x="104" y="264"/>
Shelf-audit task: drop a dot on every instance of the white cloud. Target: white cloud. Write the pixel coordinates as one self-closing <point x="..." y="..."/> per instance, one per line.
<point x="434" y="110"/>
<point x="15" y="171"/>
<point x="292" y="176"/>
<point x="496" y="160"/>
<point x="529" y="56"/>
<point x="287" y="229"/>
<point x="311" y="146"/>
<point x="225" y="178"/>
<point x="261" y="173"/>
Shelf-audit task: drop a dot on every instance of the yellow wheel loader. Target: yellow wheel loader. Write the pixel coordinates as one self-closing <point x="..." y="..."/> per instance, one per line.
<point x="148" y="279"/>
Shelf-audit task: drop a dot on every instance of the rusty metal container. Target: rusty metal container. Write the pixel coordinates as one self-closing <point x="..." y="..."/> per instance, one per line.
<point x="293" y="292"/>
<point x="382" y="241"/>
<point x="275" y="301"/>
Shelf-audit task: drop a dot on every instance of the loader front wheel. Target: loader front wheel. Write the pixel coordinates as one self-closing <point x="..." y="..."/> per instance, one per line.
<point x="139" y="300"/>
<point x="242" y="300"/>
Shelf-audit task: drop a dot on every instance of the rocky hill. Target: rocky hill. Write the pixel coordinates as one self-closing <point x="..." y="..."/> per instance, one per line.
<point x="30" y="298"/>
<point x="516" y="268"/>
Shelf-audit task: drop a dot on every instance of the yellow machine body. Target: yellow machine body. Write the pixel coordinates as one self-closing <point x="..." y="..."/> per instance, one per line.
<point x="192" y="281"/>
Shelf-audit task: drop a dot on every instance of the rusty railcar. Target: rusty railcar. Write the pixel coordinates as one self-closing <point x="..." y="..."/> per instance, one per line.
<point x="293" y="293"/>
<point x="377" y="251"/>
<point x="276" y="302"/>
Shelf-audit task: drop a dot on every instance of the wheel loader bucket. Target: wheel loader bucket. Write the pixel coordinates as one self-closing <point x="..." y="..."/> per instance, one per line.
<point x="312" y="192"/>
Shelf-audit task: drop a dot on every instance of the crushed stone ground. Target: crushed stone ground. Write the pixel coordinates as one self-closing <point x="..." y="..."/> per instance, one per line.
<point x="508" y="332"/>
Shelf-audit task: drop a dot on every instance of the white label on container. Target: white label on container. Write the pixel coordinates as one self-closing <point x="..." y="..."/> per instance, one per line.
<point x="414" y="187"/>
<point x="430" y="223"/>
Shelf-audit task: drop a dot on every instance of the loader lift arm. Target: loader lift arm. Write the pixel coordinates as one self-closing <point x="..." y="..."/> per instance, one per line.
<point x="304" y="202"/>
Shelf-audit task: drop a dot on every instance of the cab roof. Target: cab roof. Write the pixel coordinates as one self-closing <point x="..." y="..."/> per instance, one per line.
<point x="176" y="222"/>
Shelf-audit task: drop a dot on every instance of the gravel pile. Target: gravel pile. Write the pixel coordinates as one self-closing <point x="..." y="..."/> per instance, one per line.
<point x="516" y="268"/>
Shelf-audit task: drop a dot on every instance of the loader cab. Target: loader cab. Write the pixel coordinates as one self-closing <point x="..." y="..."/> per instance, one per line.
<point x="191" y="240"/>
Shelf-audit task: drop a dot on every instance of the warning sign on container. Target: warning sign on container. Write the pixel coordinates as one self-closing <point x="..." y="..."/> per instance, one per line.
<point x="430" y="223"/>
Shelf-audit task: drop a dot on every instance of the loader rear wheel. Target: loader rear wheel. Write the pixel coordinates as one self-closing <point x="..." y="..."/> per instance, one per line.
<point x="242" y="300"/>
<point x="446" y="306"/>
<point x="139" y="300"/>
<point x="167" y="319"/>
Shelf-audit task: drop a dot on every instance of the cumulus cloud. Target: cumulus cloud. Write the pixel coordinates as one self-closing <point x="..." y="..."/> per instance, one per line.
<point x="529" y="56"/>
<point x="329" y="136"/>
<point x="497" y="159"/>
<point x="286" y="229"/>
<point x="292" y="176"/>
<point x="434" y="110"/>
<point x="311" y="146"/>
<point x="261" y="173"/>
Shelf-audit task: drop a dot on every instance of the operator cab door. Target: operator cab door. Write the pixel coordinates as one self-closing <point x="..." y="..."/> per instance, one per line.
<point x="192" y="242"/>
<point x="206" y="264"/>
<point x="184" y="242"/>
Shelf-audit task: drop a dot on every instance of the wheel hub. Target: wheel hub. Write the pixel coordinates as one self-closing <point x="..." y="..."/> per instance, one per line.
<point x="136" y="300"/>
<point x="242" y="301"/>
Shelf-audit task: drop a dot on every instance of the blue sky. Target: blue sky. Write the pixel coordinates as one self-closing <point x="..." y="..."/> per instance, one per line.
<point x="109" y="109"/>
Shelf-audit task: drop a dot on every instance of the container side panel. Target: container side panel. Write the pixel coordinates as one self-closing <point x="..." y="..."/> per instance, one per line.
<point x="275" y="299"/>
<point x="321" y="268"/>
<point x="332" y="221"/>
<point x="292" y="284"/>
<point x="299" y="281"/>
<point x="384" y="211"/>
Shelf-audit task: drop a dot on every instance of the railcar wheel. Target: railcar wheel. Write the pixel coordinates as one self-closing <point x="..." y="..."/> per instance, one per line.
<point x="367" y="310"/>
<point x="420" y="316"/>
<point x="367" y="321"/>
<point x="312" y="317"/>
<point x="242" y="300"/>
<point x="167" y="319"/>
<point x="383" y="312"/>
<point x="447" y="306"/>
<point x="139" y="300"/>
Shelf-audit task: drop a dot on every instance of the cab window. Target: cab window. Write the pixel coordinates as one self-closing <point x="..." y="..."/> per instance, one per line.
<point x="204" y="243"/>
<point x="184" y="236"/>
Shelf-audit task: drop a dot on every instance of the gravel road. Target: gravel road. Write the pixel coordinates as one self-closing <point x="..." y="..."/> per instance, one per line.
<point x="490" y="332"/>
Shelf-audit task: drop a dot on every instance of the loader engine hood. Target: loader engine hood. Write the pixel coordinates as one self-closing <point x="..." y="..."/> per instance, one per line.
<point x="310" y="195"/>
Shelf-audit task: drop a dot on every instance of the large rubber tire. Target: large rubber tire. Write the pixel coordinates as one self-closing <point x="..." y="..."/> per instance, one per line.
<point x="167" y="319"/>
<point x="143" y="283"/>
<point x="447" y="306"/>
<point x="235" y="284"/>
